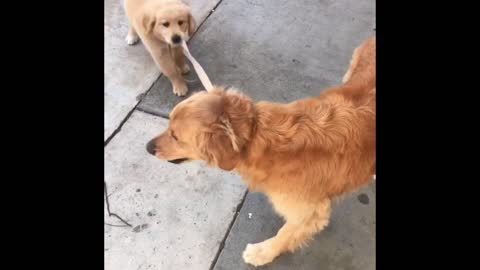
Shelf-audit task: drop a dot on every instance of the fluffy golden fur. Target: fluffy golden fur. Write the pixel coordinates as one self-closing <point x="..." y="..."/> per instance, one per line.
<point x="162" y="25"/>
<point x="301" y="155"/>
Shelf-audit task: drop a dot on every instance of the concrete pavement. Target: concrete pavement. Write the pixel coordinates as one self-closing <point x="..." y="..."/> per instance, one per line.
<point x="274" y="50"/>
<point x="179" y="214"/>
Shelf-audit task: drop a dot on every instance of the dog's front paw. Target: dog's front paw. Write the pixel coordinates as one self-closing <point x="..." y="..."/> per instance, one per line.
<point x="258" y="254"/>
<point x="131" y="39"/>
<point x="185" y="69"/>
<point x="180" y="90"/>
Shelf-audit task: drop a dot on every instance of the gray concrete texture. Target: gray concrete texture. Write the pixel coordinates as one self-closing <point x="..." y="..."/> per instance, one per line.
<point x="129" y="71"/>
<point x="179" y="213"/>
<point x="277" y="50"/>
<point x="348" y="242"/>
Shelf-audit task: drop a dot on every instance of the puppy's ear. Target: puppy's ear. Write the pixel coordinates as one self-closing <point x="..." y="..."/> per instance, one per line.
<point x="148" y="22"/>
<point x="192" y="25"/>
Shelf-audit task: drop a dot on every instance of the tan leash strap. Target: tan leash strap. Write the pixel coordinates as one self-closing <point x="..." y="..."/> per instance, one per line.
<point x="198" y="68"/>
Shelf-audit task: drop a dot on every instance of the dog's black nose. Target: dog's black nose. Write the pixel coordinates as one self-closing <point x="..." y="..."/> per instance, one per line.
<point x="176" y="39"/>
<point x="151" y="147"/>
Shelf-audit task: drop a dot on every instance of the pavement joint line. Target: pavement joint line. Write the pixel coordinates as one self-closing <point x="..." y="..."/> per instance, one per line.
<point x="222" y="244"/>
<point x="161" y="115"/>
<point x="129" y="114"/>
<point x="208" y="16"/>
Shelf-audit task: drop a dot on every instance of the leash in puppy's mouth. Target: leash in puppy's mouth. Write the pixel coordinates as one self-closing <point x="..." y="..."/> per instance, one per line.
<point x="202" y="75"/>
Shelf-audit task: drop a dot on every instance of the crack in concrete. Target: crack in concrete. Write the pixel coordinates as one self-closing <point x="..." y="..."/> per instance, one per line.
<point x="113" y="214"/>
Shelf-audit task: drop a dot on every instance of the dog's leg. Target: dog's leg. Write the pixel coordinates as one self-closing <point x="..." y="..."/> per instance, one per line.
<point x="132" y="36"/>
<point x="264" y="252"/>
<point x="166" y="62"/>
<point x="180" y="60"/>
<point x="316" y="223"/>
<point x="299" y="227"/>
<point x="169" y="69"/>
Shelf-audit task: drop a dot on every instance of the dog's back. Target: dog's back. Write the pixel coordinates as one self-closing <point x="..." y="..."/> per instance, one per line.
<point x="328" y="143"/>
<point x="358" y="94"/>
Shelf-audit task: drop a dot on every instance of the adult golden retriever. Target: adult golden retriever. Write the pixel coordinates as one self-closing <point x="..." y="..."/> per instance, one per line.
<point x="162" y="25"/>
<point x="301" y="155"/>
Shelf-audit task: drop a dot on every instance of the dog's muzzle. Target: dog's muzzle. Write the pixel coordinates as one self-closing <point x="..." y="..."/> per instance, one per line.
<point x="176" y="39"/>
<point x="151" y="147"/>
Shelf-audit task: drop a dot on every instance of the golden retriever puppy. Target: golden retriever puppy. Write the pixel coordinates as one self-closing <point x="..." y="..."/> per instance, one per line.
<point x="301" y="154"/>
<point x="162" y="25"/>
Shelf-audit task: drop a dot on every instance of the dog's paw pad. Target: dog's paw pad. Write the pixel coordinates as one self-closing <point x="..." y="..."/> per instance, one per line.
<point x="131" y="40"/>
<point x="258" y="254"/>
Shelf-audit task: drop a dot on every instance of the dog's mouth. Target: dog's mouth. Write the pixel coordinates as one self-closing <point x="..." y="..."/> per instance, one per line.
<point x="178" y="160"/>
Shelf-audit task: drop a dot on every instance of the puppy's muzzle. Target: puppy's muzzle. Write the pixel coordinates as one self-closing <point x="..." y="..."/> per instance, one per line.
<point x="176" y="39"/>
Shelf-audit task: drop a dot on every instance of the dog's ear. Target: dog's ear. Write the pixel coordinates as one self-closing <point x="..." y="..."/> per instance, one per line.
<point x="192" y="25"/>
<point x="238" y="118"/>
<point x="217" y="149"/>
<point x="224" y="144"/>
<point x="148" y="22"/>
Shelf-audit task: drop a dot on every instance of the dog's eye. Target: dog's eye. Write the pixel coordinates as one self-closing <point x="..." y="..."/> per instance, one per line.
<point x="180" y="22"/>
<point x="166" y="24"/>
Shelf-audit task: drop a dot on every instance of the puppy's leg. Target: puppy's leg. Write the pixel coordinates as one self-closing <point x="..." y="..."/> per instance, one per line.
<point x="165" y="61"/>
<point x="301" y="224"/>
<point x="132" y="36"/>
<point x="180" y="60"/>
<point x="170" y="70"/>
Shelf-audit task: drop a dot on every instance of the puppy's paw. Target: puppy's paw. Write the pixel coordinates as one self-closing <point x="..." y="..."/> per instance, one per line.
<point x="185" y="69"/>
<point x="258" y="254"/>
<point x="180" y="90"/>
<point x="131" y="39"/>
